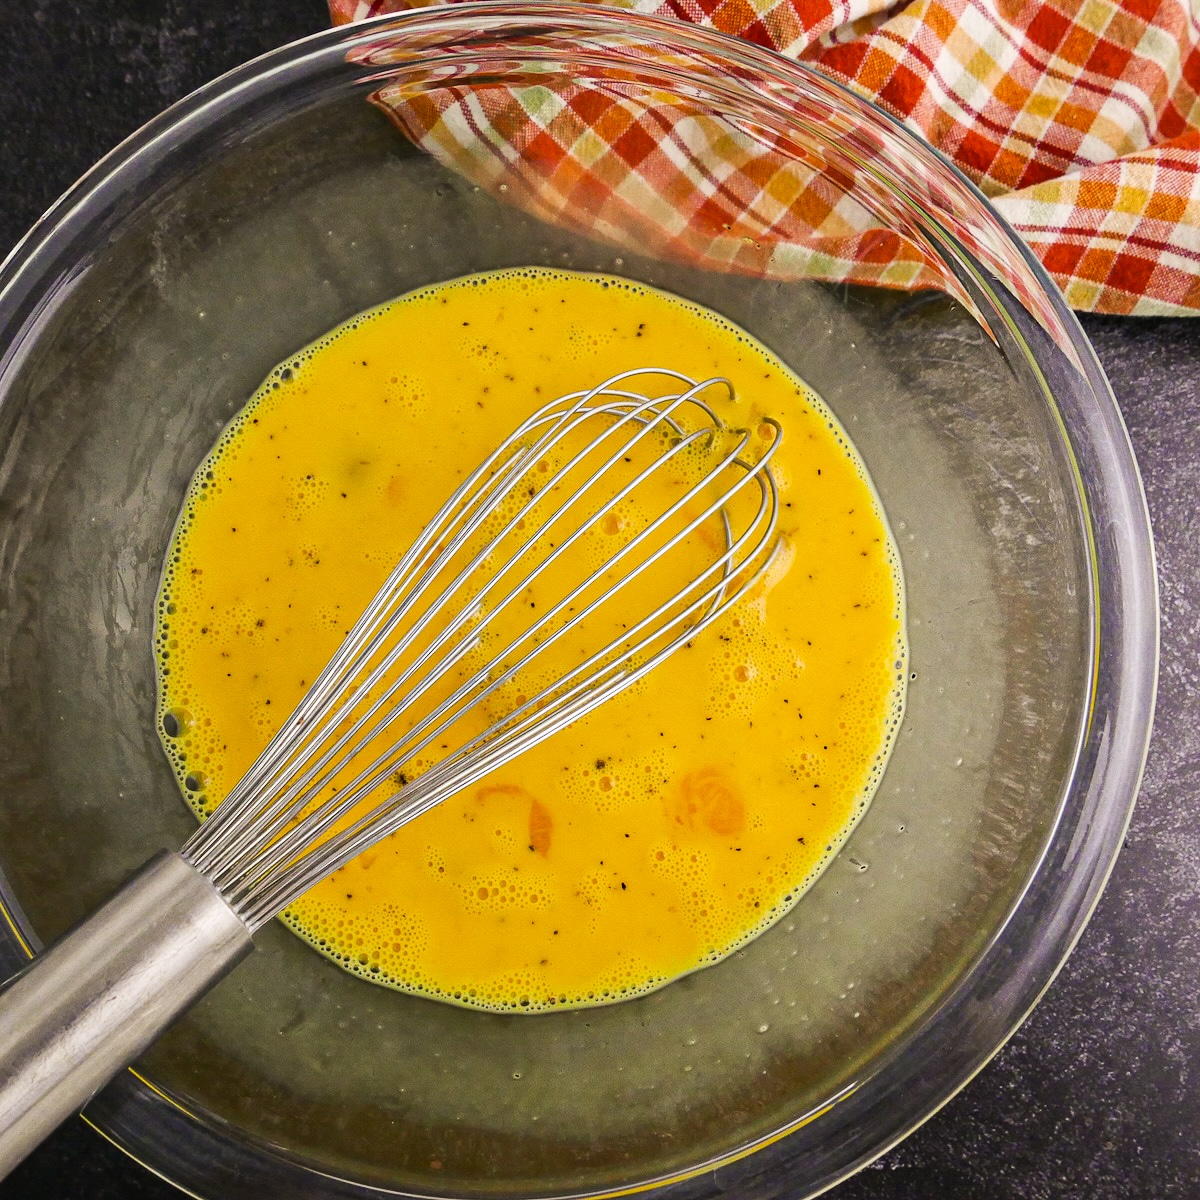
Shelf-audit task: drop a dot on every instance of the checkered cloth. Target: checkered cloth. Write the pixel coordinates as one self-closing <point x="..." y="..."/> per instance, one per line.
<point x="1081" y="120"/>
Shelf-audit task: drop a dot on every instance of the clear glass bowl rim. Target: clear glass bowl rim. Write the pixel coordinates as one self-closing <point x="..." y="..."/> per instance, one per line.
<point x="999" y="990"/>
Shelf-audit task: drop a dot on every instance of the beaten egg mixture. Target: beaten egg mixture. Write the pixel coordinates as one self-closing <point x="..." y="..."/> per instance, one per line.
<point x="651" y="838"/>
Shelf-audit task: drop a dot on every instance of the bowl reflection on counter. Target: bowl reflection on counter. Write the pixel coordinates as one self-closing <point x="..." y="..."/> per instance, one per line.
<point x="147" y="306"/>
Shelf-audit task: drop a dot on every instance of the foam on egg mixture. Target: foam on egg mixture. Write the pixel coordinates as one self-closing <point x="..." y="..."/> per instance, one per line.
<point x="651" y="838"/>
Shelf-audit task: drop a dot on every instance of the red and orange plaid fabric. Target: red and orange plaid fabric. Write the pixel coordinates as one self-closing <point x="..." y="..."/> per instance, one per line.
<point x="1081" y="121"/>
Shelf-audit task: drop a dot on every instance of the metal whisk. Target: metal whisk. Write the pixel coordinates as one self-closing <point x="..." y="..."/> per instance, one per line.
<point x="448" y="674"/>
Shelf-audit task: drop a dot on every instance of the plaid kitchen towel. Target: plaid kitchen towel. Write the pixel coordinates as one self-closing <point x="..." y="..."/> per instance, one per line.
<point x="1080" y="119"/>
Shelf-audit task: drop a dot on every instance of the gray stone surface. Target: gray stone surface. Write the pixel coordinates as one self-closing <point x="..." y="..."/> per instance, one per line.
<point x="1095" y="1097"/>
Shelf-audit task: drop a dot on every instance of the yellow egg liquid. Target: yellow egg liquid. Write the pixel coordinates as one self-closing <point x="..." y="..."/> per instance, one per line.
<point x="651" y="838"/>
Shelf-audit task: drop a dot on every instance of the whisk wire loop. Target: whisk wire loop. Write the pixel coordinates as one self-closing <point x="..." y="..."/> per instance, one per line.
<point x="291" y="821"/>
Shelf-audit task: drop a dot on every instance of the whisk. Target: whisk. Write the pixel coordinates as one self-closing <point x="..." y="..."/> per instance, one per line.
<point x="454" y="669"/>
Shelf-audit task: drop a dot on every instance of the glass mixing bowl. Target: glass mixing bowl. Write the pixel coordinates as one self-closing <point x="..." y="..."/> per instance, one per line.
<point x="148" y="304"/>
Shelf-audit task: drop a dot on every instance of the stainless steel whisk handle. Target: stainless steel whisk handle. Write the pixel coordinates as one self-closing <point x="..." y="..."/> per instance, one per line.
<point x="99" y="996"/>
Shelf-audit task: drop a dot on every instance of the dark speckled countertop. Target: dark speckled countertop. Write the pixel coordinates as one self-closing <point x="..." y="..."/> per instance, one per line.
<point x="1096" y="1095"/>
